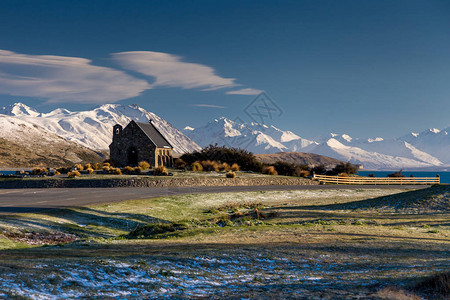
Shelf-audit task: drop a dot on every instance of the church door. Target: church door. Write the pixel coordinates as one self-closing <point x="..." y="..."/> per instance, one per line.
<point x="132" y="156"/>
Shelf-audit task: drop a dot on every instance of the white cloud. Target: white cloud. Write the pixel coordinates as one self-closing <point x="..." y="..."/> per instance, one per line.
<point x="169" y="70"/>
<point x="65" y="79"/>
<point x="247" y="91"/>
<point x="209" y="105"/>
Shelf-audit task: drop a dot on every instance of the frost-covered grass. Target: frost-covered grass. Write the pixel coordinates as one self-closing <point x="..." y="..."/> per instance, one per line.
<point x="320" y="244"/>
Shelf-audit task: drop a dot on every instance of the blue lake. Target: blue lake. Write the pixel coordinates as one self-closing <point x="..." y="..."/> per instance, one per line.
<point x="445" y="176"/>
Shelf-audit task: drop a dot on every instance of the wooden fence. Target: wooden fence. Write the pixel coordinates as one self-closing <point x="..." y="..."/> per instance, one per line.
<point x="376" y="180"/>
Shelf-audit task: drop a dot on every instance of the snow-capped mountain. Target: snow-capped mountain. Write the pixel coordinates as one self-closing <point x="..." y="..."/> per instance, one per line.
<point x="432" y="141"/>
<point x="93" y="128"/>
<point x="257" y="138"/>
<point x="427" y="149"/>
<point x="26" y="144"/>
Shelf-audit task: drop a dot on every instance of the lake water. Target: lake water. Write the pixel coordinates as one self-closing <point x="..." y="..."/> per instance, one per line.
<point x="445" y="176"/>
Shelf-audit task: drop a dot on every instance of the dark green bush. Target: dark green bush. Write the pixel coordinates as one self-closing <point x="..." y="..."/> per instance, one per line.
<point x="245" y="159"/>
<point x="345" y="168"/>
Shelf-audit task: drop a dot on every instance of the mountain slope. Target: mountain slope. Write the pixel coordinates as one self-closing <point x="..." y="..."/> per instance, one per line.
<point x="299" y="158"/>
<point x="26" y="145"/>
<point x="93" y="129"/>
<point x="432" y="141"/>
<point x="369" y="160"/>
<point x="376" y="153"/>
<point x="257" y="138"/>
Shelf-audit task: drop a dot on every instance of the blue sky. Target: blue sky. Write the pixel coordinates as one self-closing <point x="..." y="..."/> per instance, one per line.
<point x="365" y="68"/>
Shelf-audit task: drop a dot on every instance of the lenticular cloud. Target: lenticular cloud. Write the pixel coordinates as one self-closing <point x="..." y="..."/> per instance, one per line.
<point x="65" y="79"/>
<point x="170" y="71"/>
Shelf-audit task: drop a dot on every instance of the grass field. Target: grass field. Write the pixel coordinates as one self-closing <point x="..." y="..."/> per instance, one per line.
<point x="318" y="244"/>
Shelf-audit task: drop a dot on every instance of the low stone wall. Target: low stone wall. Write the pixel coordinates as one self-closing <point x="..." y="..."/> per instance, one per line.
<point x="151" y="182"/>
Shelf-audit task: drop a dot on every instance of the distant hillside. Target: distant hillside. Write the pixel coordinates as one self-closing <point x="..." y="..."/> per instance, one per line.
<point x="23" y="144"/>
<point x="299" y="158"/>
<point x="13" y="155"/>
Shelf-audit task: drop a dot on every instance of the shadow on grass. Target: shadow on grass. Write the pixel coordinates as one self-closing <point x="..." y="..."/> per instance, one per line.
<point x="433" y="198"/>
<point x="81" y="221"/>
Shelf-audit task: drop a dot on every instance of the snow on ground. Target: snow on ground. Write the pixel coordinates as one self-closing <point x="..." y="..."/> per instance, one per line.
<point x="196" y="276"/>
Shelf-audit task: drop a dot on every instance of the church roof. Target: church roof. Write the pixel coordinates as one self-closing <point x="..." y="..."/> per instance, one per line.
<point x="154" y="135"/>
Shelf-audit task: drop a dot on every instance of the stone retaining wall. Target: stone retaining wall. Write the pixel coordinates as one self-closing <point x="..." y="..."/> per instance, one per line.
<point x="151" y="182"/>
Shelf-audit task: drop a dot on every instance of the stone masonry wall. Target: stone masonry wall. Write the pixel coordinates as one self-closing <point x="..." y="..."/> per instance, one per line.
<point x="151" y="182"/>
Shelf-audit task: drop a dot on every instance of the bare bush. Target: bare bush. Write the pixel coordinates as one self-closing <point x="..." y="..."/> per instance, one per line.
<point x="160" y="171"/>
<point x="270" y="170"/>
<point x="197" y="167"/>
<point x="144" y="165"/>
<point x="231" y="174"/>
<point x="73" y="174"/>
<point x="235" y="167"/>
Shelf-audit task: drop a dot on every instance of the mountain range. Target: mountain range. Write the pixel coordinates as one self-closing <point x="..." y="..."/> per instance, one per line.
<point x="428" y="149"/>
<point x="90" y="132"/>
<point x="93" y="128"/>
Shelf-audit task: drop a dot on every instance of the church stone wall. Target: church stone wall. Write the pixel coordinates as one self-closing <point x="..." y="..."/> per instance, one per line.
<point x="130" y="139"/>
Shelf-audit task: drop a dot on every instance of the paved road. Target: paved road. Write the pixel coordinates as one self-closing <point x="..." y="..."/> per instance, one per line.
<point x="31" y="200"/>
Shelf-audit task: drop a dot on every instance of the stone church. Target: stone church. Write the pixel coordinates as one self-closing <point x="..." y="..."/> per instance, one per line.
<point x="140" y="142"/>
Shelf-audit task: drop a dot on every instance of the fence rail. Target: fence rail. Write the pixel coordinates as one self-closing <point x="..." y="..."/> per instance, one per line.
<point x="376" y="180"/>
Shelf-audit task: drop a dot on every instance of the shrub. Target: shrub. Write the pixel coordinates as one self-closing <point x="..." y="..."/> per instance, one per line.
<point x="56" y="173"/>
<point x="270" y="170"/>
<point x="180" y="164"/>
<point x="128" y="170"/>
<point x="289" y="169"/>
<point x="88" y="166"/>
<point x="343" y="174"/>
<point x="235" y="167"/>
<point x="197" y="167"/>
<point x="39" y="171"/>
<point x="396" y="174"/>
<point x="106" y="164"/>
<point x="98" y="166"/>
<point x="90" y="170"/>
<point x="144" y="165"/>
<point x="73" y="174"/>
<point x="245" y="159"/>
<point x="319" y="170"/>
<point x="224" y="167"/>
<point x="79" y="167"/>
<point x="210" y="166"/>
<point x="137" y="170"/>
<point x="63" y="170"/>
<point x="231" y="174"/>
<point x="106" y="169"/>
<point x="160" y="171"/>
<point x="345" y="168"/>
<point x="304" y="173"/>
<point x="117" y="171"/>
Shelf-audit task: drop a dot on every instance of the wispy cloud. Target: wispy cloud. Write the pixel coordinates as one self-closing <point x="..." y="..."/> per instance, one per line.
<point x="65" y="79"/>
<point x="247" y="91"/>
<point x="209" y="105"/>
<point x="77" y="80"/>
<point x="169" y="70"/>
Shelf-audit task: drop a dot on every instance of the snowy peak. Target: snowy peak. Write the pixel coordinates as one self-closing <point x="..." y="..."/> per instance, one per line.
<point x="19" y="109"/>
<point x="255" y="137"/>
<point x="377" y="139"/>
<point x="93" y="129"/>
<point x="374" y="153"/>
